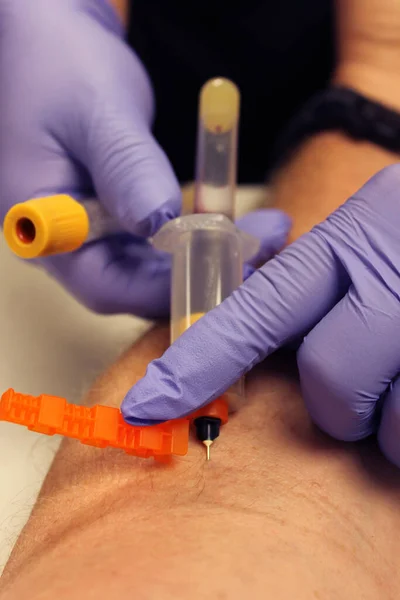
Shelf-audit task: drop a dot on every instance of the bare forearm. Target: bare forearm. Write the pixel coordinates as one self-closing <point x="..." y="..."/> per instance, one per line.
<point x="277" y="493"/>
<point x="323" y="173"/>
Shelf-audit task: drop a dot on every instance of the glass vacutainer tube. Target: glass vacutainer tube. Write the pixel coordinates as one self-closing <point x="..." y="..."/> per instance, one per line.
<point x="217" y="141"/>
<point x="208" y="254"/>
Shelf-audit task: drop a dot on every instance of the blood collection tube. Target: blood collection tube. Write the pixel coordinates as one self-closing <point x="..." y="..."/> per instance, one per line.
<point x="208" y="250"/>
<point x="54" y="225"/>
<point x="217" y="140"/>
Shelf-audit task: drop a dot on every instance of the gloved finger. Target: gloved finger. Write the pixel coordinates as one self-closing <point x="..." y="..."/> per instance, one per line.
<point x="130" y="172"/>
<point x="278" y="303"/>
<point x="119" y="274"/>
<point x="271" y="227"/>
<point x="47" y="168"/>
<point x="389" y="428"/>
<point x="348" y="360"/>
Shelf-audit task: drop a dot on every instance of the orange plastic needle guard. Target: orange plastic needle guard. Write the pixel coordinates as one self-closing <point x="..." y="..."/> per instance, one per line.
<point x="99" y="426"/>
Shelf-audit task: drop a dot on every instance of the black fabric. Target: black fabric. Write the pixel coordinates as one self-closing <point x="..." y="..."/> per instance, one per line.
<point x="279" y="53"/>
<point x="341" y="109"/>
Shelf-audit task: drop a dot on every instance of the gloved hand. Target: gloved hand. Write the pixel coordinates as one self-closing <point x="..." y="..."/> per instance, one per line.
<point x="339" y="286"/>
<point x="76" y="112"/>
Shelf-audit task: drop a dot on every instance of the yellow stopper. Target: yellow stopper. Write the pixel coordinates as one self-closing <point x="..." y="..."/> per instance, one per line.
<point x="45" y="226"/>
<point x="219" y="105"/>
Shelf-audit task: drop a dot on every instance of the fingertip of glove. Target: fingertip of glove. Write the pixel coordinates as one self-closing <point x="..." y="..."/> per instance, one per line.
<point x="155" y="220"/>
<point x="136" y="413"/>
<point x="389" y="427"/>
<point x="338" y="431"/>
<point x="137" y="421"/>
<point x="390" y="449"/>
<point x="329" y="396"/>
<point x="265" y="219"/>
<point x="340" y="421"/>
<point x="248" y="270"/>
<point x="271" y="227"/>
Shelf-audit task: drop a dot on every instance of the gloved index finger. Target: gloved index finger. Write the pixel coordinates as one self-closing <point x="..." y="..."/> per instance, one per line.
<point x="279" y="302"/>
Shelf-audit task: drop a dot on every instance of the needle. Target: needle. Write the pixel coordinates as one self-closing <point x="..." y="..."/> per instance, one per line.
<point x="207" y="444"/>
<point x="207" y="430"/>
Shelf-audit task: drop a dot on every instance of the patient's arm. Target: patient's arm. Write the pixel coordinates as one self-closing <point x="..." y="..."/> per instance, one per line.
<point x="279" y="512"/>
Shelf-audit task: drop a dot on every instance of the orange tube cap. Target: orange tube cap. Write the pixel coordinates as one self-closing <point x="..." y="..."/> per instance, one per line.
<point x="46" y="226"/>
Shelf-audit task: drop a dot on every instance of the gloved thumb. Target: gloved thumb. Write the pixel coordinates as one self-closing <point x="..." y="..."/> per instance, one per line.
<point x="130" y="172"/>
<point x="271" y="227"/>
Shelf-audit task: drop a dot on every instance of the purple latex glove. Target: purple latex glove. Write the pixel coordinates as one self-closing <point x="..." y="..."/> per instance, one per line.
<point x="76" y="114"/>
<point x="340" y="285"/>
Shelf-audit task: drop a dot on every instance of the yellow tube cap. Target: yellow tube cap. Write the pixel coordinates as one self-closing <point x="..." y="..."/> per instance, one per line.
<point x="219" y="105"/>
<point x="46" y="226"/>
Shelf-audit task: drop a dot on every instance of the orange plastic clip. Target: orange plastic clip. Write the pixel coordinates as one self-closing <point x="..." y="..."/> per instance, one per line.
<point x="99" y="426"/>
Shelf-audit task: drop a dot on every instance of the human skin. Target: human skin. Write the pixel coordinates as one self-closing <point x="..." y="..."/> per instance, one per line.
<point x="122" y="8"/>
<point x="329" y="167"/>
<point x="281" y="511"/>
